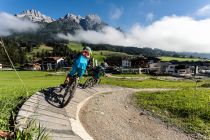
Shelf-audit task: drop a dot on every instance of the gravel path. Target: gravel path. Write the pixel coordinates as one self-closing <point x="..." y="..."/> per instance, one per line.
<point x="112" y="117"/>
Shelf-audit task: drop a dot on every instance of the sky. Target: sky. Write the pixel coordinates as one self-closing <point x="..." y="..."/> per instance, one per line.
<point x="175" y="25"/>
<point x="123" y="13"/>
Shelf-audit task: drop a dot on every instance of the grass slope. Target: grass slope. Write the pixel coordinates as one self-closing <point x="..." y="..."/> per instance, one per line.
<point x="149" y="83"/>
<point x="13" y="93"/>
<point x="165" y="58"/>
<point x="98" y="55"/>
<point x="187" y="109"/>
<point x="39" y="49"/>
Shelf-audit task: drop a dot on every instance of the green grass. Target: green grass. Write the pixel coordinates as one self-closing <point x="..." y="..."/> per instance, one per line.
<point x="75" y="46"/>
<point x="13" y="93"/>
<point x="39" y="49"/>
<point x="187" y="109"/>
<point x="98" y="55"/>
<point x="165" y="58"/>
<point x="149" y="83"/>
<point x="132" y="75"/>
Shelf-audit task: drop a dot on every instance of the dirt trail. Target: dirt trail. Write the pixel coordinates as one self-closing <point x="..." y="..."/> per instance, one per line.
<point x="112" y="117"/>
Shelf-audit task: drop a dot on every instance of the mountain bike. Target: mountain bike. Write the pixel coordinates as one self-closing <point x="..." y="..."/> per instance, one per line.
<point x="91" y="82"/>
<point x="60" y="96"/>
<point x="95" y="78"/>
<point x="69" y="90"/>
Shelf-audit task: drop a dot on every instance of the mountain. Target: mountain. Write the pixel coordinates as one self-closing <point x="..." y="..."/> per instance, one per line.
<point x="34" y="16"/>
<point x="69" y="23"/>
<point x="92" y="22"/>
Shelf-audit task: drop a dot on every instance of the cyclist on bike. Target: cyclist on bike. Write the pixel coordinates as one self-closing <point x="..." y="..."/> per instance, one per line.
<point x="80" y="64"/>
<point x="98" y="71"/>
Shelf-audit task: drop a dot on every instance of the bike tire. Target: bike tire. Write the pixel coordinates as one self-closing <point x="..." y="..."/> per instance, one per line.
<point x="69" y="93"/>
<point x="99" y="81"/>
<point x="88" y="83"/>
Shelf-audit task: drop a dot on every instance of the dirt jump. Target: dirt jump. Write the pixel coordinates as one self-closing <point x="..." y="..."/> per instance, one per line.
<point x="112" y="116"/>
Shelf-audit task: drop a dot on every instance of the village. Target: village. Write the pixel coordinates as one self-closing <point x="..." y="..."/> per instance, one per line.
<point x="126" y="65"/>
<point x="105" y="70"/>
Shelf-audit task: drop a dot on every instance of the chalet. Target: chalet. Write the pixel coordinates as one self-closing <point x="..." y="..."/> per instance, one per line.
<point x="126" y="63"/>
<point x="36" y="66"/>
<point x="139" y="62"/>
<point x="131" y="62"/>
<point x="153" y="60"/>
<point x="158" y="68"/>
<point x="171" y="69"/>
<point x="114" y="61"/>
<point x="31" y="66"/>
<point x="50" y="63"/>
<point x="182" y="70"/>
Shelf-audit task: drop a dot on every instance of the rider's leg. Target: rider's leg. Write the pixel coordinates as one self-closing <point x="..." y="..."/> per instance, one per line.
<point x="69" y="76"/>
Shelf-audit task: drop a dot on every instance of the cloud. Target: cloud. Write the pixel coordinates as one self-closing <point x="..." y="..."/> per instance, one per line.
<point x="150" y="17"/>
<point x="10" y="24"/>
<point x="204" y="11"/>
<point x="169" y="33"/>
<point x="116" y="13"/>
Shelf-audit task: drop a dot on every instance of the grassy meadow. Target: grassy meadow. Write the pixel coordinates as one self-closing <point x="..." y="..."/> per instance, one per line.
<point x="186" y="107"/>
<point x="13" y="93"/>
<point x="150" y="82"/>
<point x="166" y="58"/>
<point x="39" y="49"/>
<point x="98" y="55"/>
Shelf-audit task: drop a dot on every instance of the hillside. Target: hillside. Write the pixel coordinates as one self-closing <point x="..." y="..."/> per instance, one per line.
<point x="180" y="59"/>
<point x="100" y="55"/>
<point x="39" y="49"/>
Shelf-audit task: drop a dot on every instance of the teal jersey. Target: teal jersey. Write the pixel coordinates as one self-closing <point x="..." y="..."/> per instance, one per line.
<point x="81" y="62"/>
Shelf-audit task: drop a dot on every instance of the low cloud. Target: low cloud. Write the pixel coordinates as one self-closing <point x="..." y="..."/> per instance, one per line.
<point x="116" y="13"/>
<point x="10" y="24"/>
<point x="204" y="11"/>
<point x="170" y="33"/>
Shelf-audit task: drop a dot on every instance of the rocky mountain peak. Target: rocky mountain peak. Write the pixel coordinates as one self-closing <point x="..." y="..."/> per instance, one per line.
<point x="34" y="16"/>
<point x="73" y="17"/>
<point x="93" y="18"/>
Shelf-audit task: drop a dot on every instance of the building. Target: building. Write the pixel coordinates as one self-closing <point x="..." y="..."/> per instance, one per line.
<point x="158" y="68"/>
<point x="170" y="69"/>
<point x="182" y="70"/>
<point x="31" y="66"/>
<point x="140" y="62"/>
<point x="114" y="61"/>
<point x="126" y="63"/>
<point x="51" y="63"/>
<point x="36" y="66"/>
<point x="1" y="66"/>
<point x="153" y="60"/>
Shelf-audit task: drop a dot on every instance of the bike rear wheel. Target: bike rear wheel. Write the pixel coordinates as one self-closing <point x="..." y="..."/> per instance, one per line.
<point x="88" y="83"/>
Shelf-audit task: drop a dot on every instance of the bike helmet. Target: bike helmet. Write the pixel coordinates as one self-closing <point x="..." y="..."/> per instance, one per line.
<point x="87" y="52"/>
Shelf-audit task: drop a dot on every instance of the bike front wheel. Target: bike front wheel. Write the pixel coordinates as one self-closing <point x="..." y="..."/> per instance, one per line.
<point x="69" y="93"/>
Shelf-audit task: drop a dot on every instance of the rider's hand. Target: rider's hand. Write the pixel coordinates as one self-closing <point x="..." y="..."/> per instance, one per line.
<point x="67" y="79"/>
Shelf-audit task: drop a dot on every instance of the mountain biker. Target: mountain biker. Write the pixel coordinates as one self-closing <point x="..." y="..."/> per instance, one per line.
<point x="80" y="64"/>
<point x="98" y="71"/>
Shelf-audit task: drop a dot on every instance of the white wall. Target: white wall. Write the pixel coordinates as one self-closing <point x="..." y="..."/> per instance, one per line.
<point x="126" y="63"/>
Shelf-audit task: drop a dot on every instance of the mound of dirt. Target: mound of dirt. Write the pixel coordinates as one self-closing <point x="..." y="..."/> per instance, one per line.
<point x="113" y="117"/>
